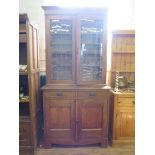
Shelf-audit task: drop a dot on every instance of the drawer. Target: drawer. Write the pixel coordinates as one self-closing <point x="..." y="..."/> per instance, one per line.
<point x="59" y="102"/>
<point x="60" y="94"/>
<point x="126" y="102"/>
<point x="90" y="95"/>
<point x="126" y="109"/>
<point x="24" y="134"/>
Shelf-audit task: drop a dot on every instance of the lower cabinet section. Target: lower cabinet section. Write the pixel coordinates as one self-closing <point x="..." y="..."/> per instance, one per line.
<point x="74" y="119"/>
<point x="123" y="118"/>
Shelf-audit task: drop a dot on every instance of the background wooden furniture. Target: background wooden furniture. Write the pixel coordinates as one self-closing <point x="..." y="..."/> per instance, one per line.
<point x="29" y="103"/>
<point x="75" y="96"/>
<point x="123" y="55"/>
<point x="122" y="108"/>
<point x="122" y="120"/>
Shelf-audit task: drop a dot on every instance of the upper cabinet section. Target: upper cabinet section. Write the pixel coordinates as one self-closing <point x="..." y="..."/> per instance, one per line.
<point x="75" y="45"/>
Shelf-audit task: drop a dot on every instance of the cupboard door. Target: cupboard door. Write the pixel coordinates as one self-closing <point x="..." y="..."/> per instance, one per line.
<point x="60" y="53"/>
<point x="125" y="124"/>
<point x="91" y="44"/>
<point x="59" y="121"/>
<point x="125" y="119"/>
<point x="90" y="122"/>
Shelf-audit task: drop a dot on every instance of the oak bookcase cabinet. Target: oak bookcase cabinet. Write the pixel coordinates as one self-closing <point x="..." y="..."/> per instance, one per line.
<point x="28" y="85"/>
<point x="76" y="99"/>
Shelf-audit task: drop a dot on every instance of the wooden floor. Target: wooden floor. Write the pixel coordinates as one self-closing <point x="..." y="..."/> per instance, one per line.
<point x="117" y="149"/>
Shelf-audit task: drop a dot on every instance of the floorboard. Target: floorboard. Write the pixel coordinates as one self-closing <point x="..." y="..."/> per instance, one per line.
<point x="117" y="149"/>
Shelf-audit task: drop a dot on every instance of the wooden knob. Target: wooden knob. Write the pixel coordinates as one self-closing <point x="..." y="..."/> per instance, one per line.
<point x="92" y="94"/>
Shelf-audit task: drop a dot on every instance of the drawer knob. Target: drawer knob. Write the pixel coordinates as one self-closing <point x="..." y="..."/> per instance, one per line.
<point x="92" y="94"/>
<point x="59" y="94"/>
<point x="133" y="102"/>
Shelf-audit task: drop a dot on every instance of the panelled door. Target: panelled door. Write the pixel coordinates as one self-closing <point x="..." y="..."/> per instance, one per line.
<point x="125" y="118"/>
<point x="59" y="121"/>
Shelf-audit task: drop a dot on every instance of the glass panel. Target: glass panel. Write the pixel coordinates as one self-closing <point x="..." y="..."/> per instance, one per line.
<point x="61" y="47"/>
<point x="91" y="50"/>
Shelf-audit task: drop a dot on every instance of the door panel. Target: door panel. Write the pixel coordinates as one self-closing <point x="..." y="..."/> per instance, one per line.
<point x="125" y="125"/>
<point x="125" y="118"/>
<point x="60" y="120"/>
<point x="90" y="117"/>
<point x="57" y="119"/>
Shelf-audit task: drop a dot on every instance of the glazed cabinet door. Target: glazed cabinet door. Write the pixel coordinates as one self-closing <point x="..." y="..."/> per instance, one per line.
<point x="60" y="42"/>
<point x="91" y="49"/>
<point x="125" y="119"/>
<point x="59" y="117"/>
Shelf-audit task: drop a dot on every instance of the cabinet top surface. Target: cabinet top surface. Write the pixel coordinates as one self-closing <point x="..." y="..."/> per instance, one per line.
<point x="76" y="87"/>
<point x="115" y="32"/>
<point x="96" y="10"/>
<point x="123" y="93"/>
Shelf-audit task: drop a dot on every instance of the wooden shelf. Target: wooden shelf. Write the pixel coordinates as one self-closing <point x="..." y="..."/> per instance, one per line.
<point x="123" y="71"/>
<point x="23" y="73"/>
<point x="52" y="33"/>
<point x="24" y="118"/>
<point x="22" y="38"/>
<point x="59" y="52"/>
<point x="125" y="52"/>
<point x="23" y="101"/>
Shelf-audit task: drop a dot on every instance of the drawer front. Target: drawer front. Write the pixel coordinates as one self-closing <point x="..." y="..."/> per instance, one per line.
<point x="126" y="102"/>
<point x="90" y="95"/>
<point x="24" y="134"/>
<point x="60" y="94"/>
<point x="58" y="102"/>
<point x="126" y="109"/>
